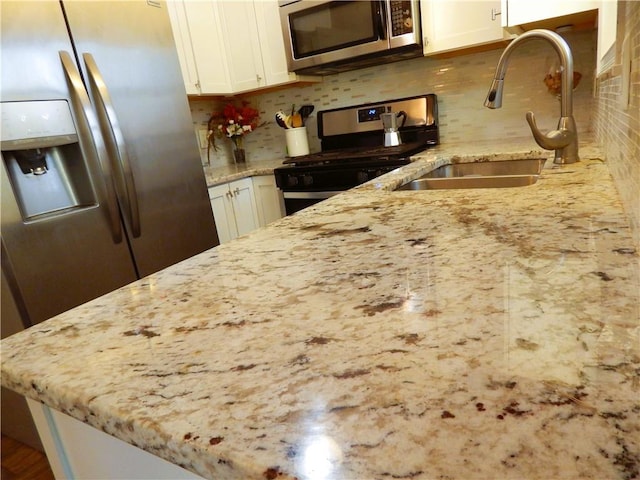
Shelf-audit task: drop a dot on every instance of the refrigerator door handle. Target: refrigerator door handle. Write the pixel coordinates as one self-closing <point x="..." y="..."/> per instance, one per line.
<point x="116" y="144"/>
<point x="91" y="128"/>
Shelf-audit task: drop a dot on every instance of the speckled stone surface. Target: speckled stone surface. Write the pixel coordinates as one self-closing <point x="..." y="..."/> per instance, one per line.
<point x="468" y="334"/>
<point x="218" y="174"/>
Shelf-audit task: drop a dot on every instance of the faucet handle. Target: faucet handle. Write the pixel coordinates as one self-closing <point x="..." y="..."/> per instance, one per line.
<point x="554" y="140"/>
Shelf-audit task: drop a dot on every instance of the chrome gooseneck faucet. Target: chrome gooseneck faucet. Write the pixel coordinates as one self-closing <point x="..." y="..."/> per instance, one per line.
<point x="564" y="140"/>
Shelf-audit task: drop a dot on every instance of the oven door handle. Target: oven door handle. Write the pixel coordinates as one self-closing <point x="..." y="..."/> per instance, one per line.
<point x="310" y="195"/>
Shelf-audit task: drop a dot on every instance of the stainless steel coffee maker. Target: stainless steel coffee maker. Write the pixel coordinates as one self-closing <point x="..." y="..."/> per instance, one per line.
<point x="390" y="124"/>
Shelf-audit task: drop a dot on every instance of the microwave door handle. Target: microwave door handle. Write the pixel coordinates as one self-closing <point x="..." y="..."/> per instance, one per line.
<point x="88" y="127"/>
<point x="116" y="140"/>
<point x="381" y="19"/>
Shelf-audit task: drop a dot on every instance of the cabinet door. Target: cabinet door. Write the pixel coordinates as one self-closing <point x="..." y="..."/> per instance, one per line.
<point x="67" y="440"/>
<point x="244" y="205"/>
<point x="230" y="46"/>
<point x="451" y="25"/>
<point x="526" y="11"/>
<point x="274" y="60"/>
<point x="208" y="43"/>
<point x="607" y="30"/>
<point x="242" y="45"/>
<point x="269" y="199"/>
<point x="222" y="206"/>
<point x="182" y="39"/>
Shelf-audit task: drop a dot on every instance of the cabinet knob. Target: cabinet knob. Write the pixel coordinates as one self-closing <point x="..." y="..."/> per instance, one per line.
<point x="494" y="14"/>
<point x="236" y="192"/>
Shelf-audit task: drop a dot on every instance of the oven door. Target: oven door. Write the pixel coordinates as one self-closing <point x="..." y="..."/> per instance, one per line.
<point x="296" y="201"/>
<point x="320" y="32"/>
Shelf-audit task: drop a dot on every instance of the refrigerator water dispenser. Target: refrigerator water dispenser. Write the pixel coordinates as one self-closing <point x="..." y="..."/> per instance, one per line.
<point x="43" y="158"/>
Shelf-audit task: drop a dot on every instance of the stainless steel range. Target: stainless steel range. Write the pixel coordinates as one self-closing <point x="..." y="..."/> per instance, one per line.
<point x="352" y="149"/>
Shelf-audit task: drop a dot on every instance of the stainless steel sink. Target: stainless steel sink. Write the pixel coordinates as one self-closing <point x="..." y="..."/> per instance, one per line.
<point x="498" y="174"/>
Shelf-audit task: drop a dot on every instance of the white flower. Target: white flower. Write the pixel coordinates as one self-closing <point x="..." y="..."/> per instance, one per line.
<point x="234" y="130"/>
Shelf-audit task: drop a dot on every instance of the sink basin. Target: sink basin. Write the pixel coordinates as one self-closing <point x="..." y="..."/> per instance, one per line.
<point x="498" y="174"/>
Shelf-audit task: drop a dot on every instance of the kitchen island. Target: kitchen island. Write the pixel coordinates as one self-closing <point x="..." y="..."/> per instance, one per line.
<point x="460" y="334"/>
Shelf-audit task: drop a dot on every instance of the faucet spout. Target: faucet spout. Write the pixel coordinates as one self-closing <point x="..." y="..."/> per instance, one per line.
<point x="494" y="97"/>
<point x="564" y="140"/>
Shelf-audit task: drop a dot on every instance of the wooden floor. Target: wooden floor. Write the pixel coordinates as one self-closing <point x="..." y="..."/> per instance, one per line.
<point x="20" y="462"/>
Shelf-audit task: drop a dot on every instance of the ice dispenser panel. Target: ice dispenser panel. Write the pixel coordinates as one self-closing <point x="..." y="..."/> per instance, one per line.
<point x="43" y="158"/>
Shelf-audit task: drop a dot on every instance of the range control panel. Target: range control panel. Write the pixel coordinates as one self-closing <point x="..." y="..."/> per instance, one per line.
<point x="421" y="111"/>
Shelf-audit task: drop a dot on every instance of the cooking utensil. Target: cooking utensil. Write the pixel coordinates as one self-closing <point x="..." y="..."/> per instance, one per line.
<point x="296" y="120"/>
<point x="305" y="111"/>
<point x="281" y="119"/>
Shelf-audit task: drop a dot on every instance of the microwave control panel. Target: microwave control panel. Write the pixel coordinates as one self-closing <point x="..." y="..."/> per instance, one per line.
<point x="401" y="17"/>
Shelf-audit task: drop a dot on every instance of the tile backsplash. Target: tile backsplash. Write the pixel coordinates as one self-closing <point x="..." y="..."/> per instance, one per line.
<point x="461" y="84"/>
<point x="617" y="113"/>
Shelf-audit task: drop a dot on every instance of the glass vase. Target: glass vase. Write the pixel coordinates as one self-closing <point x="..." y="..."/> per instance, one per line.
<point x="239" y="154"/>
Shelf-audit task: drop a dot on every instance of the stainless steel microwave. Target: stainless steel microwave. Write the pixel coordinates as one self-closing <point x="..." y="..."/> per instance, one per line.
<point x="328" y="36"/>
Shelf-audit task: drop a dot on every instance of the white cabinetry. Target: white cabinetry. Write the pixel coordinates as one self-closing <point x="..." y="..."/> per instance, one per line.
<point x="77" y="450"/>
<point x="242" y="45"/>
<point x="241" y="206"/>
<point x="182" y="39"/>
<point x="527" y="11"/>
<point x="269" y="199"/>
<point x="274" y="59"/>
<point x="234" y="209"/>
<point x="197" y="32"/>
<point x="228" y="47"/>
<point x="456" y="24"/>
<point x="607" y="29"/>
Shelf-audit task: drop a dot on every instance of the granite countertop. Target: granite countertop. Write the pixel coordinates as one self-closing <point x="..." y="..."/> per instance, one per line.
<point x="468" y="334"/>
<point x="223" y="173"/>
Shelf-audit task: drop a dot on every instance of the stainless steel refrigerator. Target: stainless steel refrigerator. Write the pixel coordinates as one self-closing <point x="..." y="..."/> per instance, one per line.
<point x="101" y="178"/>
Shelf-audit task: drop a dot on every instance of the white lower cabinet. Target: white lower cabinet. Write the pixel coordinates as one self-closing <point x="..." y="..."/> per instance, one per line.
<point x="234" y="209"/>
<point x="77" y="450"/>
<point x="242" y="206"/>
<point x="269" y="199"/>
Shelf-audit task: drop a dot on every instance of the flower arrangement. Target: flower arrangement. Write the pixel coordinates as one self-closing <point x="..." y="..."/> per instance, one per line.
<point x="232" y="122"/>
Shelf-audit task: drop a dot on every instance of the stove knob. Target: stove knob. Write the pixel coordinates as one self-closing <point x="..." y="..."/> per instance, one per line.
<point x="292" y="181"/>
<point x="307" y="180"/>
<point x="362" y="176"/>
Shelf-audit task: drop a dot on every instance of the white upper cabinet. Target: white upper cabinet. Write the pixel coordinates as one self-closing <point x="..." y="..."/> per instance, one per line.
<point x="457" y="24"/>
<point x="228" y="47"/>
<point x="242" y="45"/>
<point x="518" y="12"/>
<point x="607" y="29"/>
<point x="200" y="46"/>
<point x="274" y="60"/>
<point x="182" y="39"/>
